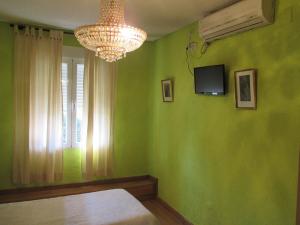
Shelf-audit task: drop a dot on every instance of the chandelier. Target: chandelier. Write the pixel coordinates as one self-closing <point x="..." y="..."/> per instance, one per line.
<point x="111" y="38"/>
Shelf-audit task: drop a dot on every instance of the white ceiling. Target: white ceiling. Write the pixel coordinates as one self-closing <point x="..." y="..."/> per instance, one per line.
<point x="156" y="17"/>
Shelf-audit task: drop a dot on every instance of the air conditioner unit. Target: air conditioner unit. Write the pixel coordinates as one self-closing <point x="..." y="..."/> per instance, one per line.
<point x="241" y="16"/>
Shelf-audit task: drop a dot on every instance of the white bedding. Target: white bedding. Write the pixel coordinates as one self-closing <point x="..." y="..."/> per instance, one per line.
<point x="112" y="207"/>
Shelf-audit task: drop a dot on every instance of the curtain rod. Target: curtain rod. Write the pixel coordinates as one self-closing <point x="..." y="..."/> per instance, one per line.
<point x="22" y="26"/>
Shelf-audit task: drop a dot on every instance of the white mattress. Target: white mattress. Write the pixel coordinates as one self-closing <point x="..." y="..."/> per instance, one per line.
<point x="112" y="207"/>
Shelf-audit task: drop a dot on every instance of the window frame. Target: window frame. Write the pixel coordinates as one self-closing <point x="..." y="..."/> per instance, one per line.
<point x="72" y="63"/>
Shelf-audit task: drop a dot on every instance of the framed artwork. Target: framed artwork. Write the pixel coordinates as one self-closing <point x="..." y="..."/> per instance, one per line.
<point x="167" y="90"/>
<point x="245" y="89"/>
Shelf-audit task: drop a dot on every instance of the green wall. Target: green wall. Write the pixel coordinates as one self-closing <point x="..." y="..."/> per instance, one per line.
<point x="218" y="165"/>
<point x="6" y="105"/>
<point x="132" y="118"/>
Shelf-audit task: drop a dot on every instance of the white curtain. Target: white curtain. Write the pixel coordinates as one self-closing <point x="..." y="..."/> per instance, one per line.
<point x="38" y="155"/>
<point x="97" y="129"/>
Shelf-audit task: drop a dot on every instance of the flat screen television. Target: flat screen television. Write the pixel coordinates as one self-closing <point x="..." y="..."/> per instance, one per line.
<point x="210" y="80"/>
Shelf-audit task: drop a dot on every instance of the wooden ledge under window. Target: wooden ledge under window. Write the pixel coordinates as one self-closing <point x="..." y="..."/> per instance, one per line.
<point x="142" y="187"/>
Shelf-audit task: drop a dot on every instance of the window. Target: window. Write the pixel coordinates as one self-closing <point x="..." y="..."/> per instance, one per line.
<point x="72" y="74"/>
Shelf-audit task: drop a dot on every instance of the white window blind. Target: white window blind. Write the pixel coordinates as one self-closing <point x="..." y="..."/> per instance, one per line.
<point x="65" y="94"/>
<point x="72" y="94"/>
<point x="79" y="101"/>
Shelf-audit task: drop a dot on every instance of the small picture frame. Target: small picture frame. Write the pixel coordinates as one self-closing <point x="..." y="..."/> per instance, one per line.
<point x="167" y="90"/>
<point x="245" y="89"/>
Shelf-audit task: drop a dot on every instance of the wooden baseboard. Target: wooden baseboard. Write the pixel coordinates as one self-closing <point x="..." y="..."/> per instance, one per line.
<point x="142" y="187"/>
<point x="176" y="214"/>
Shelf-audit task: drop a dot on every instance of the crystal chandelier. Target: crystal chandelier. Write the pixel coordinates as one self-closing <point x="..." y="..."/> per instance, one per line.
<point x="111" y="38"/>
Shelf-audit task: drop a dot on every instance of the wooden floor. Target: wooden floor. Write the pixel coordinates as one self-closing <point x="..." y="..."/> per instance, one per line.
<point x="165" y="216"/>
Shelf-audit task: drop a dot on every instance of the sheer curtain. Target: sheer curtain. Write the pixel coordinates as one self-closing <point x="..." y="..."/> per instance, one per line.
<point x="97" y="142"/>
<point x="38" y="155"/>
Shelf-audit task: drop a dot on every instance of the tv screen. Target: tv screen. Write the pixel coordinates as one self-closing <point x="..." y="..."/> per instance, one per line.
<point x="210" y="80"/>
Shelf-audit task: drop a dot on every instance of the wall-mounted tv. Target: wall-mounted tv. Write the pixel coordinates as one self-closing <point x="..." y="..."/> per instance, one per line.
<point x="210" y="80"/>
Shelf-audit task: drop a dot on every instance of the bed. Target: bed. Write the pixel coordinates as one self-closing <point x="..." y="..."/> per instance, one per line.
<point x="111" y="207"/>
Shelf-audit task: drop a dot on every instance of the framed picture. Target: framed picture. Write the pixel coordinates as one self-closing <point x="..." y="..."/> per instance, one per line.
<point x="167" y="90"/>
<point x="245" y="89"/>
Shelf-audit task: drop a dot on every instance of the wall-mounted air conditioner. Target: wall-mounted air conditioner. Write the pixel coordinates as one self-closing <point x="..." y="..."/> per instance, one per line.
<point x="241" y="16"/>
